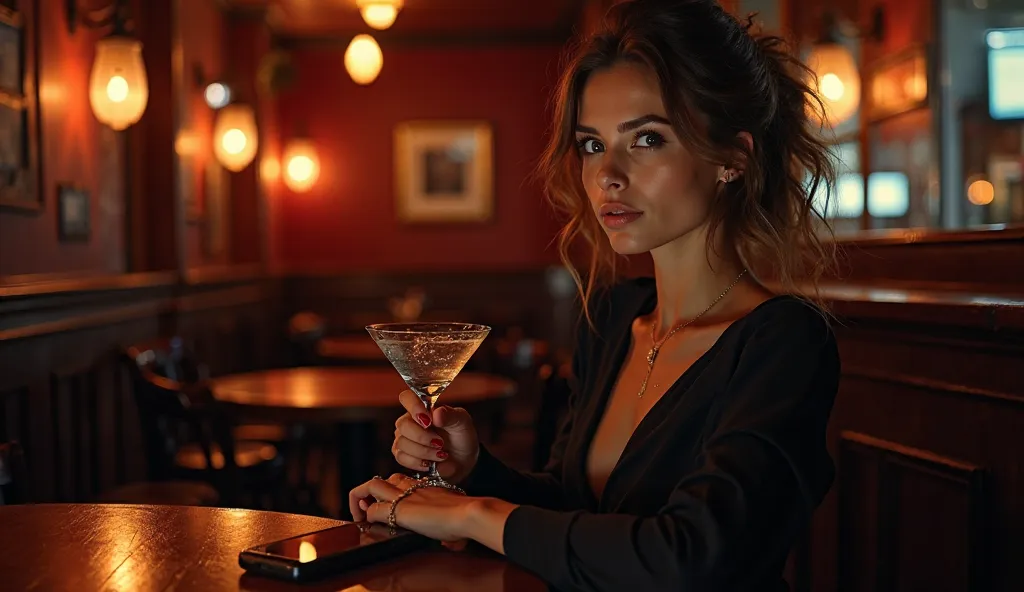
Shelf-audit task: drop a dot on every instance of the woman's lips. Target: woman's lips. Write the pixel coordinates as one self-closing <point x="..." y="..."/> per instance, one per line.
<point x="616" y="215"/>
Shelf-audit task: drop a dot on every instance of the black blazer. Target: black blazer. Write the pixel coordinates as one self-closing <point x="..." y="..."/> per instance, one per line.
<point x="715" y="483"/>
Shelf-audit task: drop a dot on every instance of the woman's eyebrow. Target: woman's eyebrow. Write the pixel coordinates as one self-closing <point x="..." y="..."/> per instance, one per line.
<point x="626" y="126"/>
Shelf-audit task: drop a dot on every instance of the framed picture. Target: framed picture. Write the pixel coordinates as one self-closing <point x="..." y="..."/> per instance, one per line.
<point x="444" y="171"/>
<point x="898" y="84"/>
<point x="19" y="115"/>
<point x="73" y="212"/>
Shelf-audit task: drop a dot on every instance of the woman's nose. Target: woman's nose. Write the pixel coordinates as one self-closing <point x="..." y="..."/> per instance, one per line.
<point x="610" y="178"/>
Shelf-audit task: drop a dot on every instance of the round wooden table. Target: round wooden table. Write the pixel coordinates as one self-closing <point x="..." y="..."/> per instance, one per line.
<point x="330" y="395"/>
<point x="123" y="547"/>
<point x="353" y="399"/>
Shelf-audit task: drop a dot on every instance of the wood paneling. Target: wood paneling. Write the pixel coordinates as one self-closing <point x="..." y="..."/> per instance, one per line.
<point x="926" y="432"/>
<point x="63" y="390"/>
<point x="911" y="520"/>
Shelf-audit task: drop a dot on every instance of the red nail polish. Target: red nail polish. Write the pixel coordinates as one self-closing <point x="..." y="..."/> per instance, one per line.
<point x="441" y="454"/>
<point x="437" y="443"/>
<point x="424" y="419"/>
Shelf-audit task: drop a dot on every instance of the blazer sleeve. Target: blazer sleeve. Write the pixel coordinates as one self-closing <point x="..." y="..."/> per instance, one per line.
<point x="762" y="471"/>
<point x="493" y="478"/>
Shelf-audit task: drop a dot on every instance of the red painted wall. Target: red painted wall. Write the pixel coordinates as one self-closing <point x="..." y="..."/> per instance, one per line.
<point x="201" y="34"/>
<point x="75" y="149"/>
<point x="347" y="222"/>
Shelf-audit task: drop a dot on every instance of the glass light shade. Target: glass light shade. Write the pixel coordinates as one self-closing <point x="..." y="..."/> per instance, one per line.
<point x="838" y="81"/>
<point x="235" y="136"/>
<point x="363" y="59"/>
<point x="380" y="14"/>
<point x="118" y="88"/>
<point x="301" y="165"/>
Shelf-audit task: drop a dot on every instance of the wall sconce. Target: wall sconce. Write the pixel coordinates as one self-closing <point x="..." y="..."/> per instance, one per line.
<point x="216" y="93"/>
<point x="839" y="83"/>
<point x="118" y="87"/>
<point x="380" y="14"/>
<point x="301" y="165"/>
<point x="363" y="59"/>
<point x="235" y="136"/>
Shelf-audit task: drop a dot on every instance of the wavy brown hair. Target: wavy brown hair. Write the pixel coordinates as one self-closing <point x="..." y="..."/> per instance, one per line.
<point x="717" y="79"/>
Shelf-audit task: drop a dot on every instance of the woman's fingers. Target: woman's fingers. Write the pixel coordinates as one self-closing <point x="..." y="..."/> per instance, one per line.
<point x="417" y="410"/>
<point x="408" y="428"/>
<point x="378" y="489"/>
<point x="417" y="450"/>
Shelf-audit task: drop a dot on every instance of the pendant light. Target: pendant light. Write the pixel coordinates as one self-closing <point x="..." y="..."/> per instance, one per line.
<point x="235" y="137"/>
<point x="363" y="59"/>
<point x="118" y="86"/>
<point x="380" y="14"/>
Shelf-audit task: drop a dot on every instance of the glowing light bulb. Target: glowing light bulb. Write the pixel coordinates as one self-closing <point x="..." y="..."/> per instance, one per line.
<point x="302" y="165"/>
<point x="217" y="95"/>
<point x="832" y="87"/>
<point x="117" y="89"/>
<point x="380" y="14"/>
<point x="235" y="137"/>
<point x="234" y="141"/>
<point x="981" y="192"/>
<point x="838" y="81"/>
<point x="363" y="59"/>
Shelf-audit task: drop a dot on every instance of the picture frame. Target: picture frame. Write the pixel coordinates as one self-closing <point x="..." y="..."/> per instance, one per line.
<point x="73" y="213"/>
<point x="898" y="84"/>
<point x="444" y="171"/>
<point x="20" y="169"/>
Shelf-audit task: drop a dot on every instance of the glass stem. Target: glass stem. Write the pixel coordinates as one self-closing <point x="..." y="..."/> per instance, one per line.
<point x="432" y="473"/>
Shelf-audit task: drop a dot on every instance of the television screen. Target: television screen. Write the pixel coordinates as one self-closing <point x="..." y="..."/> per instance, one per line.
<point x="1005" y="73"/>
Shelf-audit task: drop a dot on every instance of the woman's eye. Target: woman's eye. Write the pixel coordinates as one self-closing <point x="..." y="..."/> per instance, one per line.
<point x="590" y="146"/>
<point x="648" y="140"/>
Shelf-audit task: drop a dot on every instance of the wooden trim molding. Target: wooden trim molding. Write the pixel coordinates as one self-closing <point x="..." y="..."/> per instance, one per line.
<point x="40" y="284"/>
<point x="932" y="385"/>
<point x="218" y="274"/>
<point x="884" y="465"/>
<point x="906" y="236"/>
<point x="121" y="314"/>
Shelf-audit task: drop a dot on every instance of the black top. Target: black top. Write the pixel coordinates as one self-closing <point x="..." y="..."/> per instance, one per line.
<point x="715" y="483"/>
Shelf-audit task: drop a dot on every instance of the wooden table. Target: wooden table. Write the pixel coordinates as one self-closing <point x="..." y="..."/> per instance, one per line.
<point x="353" y="399"/>
<point x="91" y="547"/>
<point x="330" y="395"/>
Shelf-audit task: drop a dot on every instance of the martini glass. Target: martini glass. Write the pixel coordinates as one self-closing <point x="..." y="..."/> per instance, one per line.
<point x="428" y="356"/>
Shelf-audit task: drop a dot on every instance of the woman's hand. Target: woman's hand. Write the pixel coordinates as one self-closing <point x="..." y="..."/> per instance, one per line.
<point x="434" y="512"/>
<point x="448" y="438"/>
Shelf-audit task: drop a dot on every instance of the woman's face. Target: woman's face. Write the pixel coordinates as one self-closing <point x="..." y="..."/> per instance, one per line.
<point x="645" y="187"/>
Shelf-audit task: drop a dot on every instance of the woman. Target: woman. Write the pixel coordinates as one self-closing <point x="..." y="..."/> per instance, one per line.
<point x="694" y="451"/>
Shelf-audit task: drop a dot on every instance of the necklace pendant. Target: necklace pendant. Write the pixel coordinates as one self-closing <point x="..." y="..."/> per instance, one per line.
<point x="652" y="355"/>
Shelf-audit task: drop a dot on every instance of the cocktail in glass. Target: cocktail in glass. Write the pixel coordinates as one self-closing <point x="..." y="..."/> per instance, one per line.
<point x="428" y="356"/>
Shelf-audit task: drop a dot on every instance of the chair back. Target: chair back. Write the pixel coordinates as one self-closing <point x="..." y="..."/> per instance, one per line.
<point x="177" y="407"/>
<point x="14" y="487"/>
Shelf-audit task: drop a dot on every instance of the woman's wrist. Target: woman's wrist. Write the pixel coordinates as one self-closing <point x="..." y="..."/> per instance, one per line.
<point x="483" y="520"/>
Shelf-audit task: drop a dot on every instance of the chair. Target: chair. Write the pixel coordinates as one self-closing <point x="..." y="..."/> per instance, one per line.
<point x="187" y="433"/>
<point x="14" y="487"/>
<point x="305" y="330"/>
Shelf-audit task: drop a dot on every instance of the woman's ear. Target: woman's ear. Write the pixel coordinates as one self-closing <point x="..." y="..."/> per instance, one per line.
<point x="735" y="169"/>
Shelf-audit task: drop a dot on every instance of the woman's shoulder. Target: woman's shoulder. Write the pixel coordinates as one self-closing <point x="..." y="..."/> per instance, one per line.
<point x="786" y="322"/>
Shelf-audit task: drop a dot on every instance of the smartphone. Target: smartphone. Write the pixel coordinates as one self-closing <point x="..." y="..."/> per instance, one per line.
<point x="329" y="552"/>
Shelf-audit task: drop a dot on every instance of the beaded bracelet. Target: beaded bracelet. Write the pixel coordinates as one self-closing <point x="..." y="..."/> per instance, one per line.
<point x="425" y="482"/>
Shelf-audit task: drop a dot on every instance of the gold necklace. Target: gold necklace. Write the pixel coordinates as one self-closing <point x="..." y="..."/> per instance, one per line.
<point x="656" y="345"/>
